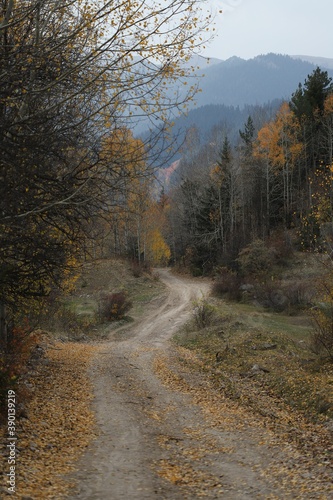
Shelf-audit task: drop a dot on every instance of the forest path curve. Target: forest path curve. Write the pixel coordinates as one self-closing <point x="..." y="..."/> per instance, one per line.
<point x="154" y="441"/>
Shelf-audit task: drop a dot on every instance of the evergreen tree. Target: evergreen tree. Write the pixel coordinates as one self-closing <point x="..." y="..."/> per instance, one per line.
<point x="308" y="105"/>
<point x="247" y="136"/>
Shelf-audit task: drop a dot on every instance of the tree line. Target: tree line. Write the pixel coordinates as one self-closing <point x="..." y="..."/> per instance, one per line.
<point x="74" y="77"/>
<point x="276" y="177"/>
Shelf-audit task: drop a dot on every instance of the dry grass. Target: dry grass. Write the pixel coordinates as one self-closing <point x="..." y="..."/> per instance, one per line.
<point x="263" y="360"/>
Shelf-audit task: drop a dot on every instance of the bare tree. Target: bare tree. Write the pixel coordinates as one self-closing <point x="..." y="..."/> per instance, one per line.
<point x="71" y="71"/>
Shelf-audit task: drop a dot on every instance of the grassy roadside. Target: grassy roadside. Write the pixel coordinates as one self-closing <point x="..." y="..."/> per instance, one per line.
<point x="78" y="317"/>
<point x="261" y="359"/>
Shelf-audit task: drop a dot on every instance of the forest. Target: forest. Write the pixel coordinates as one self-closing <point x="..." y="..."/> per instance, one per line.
<point x="274" y="178"/>
<point x="166" y="288"/>
<point x="77" y="183"/>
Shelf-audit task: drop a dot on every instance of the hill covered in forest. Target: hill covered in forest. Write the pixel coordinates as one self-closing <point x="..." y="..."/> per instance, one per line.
<point x="238" y="82"/>
<point x="235" y="89"/>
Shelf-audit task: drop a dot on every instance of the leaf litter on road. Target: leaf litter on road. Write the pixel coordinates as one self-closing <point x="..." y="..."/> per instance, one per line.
<point x="59" y="424"/>
<point x="301" y="464"/>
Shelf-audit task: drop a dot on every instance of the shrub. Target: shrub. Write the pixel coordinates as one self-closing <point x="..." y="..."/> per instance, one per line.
<point x="280" y="296"/>
<point x="140" y="268"/>
<point x="203" y="313"/>
<point x="113" y="306"/>
<point x="300" y="293"/>
<point x="69" y="322"/>
<point x="256" y="259"/>
<point x="322" y="336"/>
<point x="227" y="283"/>
<point x="270" y="294"/>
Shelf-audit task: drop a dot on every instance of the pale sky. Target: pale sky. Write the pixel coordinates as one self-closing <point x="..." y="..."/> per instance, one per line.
<point x="248" y="28"/>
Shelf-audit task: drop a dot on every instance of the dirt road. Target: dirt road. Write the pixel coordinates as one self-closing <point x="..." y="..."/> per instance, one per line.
<point x="155" y="440"/>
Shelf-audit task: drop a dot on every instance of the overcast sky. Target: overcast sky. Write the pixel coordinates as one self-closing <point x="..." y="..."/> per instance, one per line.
<point x="248" y="28"/>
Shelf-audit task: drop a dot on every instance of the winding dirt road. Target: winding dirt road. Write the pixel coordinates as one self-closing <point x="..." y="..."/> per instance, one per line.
<point x="155" y="441"/>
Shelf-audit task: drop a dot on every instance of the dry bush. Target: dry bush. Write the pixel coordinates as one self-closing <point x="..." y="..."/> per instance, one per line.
<point x="227" y="284"/>
<point x="281" y="296"/>
<point x="140" y="268"/>
<point x="300" y="293"/>
<point x="203" y="313"/>
<point x="256" y="259"/>
<point x="322" y="336"/>
<point x="113" y="306"/>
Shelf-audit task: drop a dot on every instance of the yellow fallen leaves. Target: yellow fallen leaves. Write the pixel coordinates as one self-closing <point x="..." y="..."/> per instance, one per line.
<point x="210" y="402"/>
<point x="60" y="422"/>
<point x="185" y="475"/>
<point x="306" y="448"/>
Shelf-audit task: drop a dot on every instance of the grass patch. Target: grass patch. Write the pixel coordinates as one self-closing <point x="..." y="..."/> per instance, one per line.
<point x="78" y="315"/>
<point x="263" y="360"/>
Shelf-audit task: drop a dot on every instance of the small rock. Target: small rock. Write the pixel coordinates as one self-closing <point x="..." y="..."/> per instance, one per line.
<point x="256" y="369"/>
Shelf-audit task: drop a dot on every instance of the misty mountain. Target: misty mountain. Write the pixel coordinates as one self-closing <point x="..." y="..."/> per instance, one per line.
<point x="323" y="62"/>
<point x="236" y="88"/>
<point x="232" y="90"/>
<point x="230" y="119"/>
<point x="237" y="82"/>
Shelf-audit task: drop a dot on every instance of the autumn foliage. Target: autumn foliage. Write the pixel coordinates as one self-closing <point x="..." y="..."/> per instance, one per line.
<point x="75" y="76"/>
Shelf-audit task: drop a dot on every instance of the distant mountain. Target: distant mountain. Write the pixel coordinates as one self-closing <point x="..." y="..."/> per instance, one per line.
<point x="323" y="62"/>
<point x="228" y="118"/>
<point x="232" y="90"/>
<point x="201" y="62"/>
<point x="237" y="82"/>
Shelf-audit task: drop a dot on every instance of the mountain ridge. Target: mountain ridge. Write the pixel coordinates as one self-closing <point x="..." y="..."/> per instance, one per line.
<point x="239" y="82"/>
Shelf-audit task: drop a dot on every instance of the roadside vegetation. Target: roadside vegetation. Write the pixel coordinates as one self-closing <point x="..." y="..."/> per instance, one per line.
<point x="264" y="345"/>
<point x="108" y="294"/>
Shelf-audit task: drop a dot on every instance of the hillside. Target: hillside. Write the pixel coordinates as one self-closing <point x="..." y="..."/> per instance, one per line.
<point x="234" y="89"/>
<point x="322" y="62"/>
<point x="237" y="82"/>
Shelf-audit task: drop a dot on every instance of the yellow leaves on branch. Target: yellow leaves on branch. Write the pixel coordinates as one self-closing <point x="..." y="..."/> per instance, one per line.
<point x="277" y="141"/>
<point x="159" y="250"/>
<point x="110" y="36"/>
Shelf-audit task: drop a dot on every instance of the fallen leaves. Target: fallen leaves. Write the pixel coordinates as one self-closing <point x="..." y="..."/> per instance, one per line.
<point x="60" y="423"/>
<point x="186" y="475"/>
<point x="305" y="449"/>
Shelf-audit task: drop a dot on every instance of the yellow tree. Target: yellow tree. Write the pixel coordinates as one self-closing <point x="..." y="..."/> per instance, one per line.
<point x="69" y="71"/>
<point x="328" y="127"/>
<point x="157" y="226"/>
<point x="278" y="146"/>
<point x="126" y="180"/>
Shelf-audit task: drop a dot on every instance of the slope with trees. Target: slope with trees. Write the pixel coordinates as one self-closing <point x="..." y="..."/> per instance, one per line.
<point x="268" y="181"/>
<point x="72" y="76"/>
